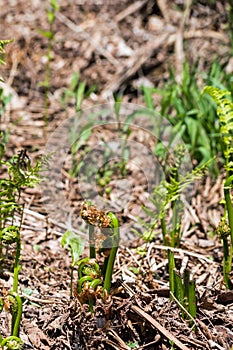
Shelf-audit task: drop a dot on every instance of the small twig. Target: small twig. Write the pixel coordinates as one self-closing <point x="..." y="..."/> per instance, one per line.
<point x="142" y="55"/>
<point x="215" y="345"/>
<point x="182" y="251"/>
<point x="130" y="10"/>
<point x="159" y="327"/>
<point x="132" y="65"/>
<point x="88" y="37"/>
<point x="157" y="338"/>
<point x="115" y="346"/>
<point x="121" y="343"/>
<point x="51" y="221"/>
<point x="163" y="7"/>
<point x="37" y="300"/>
<point x="134" y="259"/>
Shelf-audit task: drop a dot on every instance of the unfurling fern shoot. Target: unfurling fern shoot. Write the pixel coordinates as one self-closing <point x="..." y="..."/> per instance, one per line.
<point x="225" y="114"/>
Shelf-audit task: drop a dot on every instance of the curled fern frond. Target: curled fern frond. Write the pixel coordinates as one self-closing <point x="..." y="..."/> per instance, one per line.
<point x="3" y="43"/>
<point x="225" y="114"/>
<point x="10" y="235"/>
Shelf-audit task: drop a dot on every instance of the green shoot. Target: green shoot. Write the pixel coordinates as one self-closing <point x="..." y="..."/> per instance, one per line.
<point x="77" y="142"/>
<point x="49" y="34"/>
<point x="115" y="242"/>
<point x="79" y="134"/>
<point x="109" y="223"/>
<point x="75" y="244"/>
<point x="78" y="92"/>
<point x="185" y="293"/>
<point x="133" y="345"/>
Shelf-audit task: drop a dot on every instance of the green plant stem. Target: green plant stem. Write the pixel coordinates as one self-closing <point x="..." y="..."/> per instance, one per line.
<point x="164" y="231"/>
<point x="228" y="250"/>
<point x="174" y="238"/>
<point x="190" y="294"/>
<point x="17" y="266"/>
<point x="229" y="204"/>
<point x="171" y="267"/>
<point x="109" y="270"/>
<point x="113" y="252"/>
<point x="179" y="290"/>
<point x="104" y="268"/>
<point x="192" y="303"/>
<point x="91" y="240"/>
<point x="227" y="263"/>
<point x="227" y="259"/>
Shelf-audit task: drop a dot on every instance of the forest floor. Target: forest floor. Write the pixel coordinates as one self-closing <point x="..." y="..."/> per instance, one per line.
<point x="118" y="47"/>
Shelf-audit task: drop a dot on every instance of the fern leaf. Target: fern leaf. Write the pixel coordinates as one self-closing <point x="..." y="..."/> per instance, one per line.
<point x="225" y="115"/>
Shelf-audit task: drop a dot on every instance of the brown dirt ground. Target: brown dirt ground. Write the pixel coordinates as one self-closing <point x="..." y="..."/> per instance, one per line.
<point x="117" y="46"/>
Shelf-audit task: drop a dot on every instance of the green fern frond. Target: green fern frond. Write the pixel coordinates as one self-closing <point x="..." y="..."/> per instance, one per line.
<point x="225" y="115"/>
<point x="169" y="191"/>
<point x="3" y="43"/>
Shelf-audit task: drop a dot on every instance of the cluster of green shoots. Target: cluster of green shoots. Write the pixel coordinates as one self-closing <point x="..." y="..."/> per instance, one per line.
<point x="80" y="134"/>
<point x="76" y="94"/>
<point x="94" y="279"/>
<point x="167" y="198"/>
<point x="225" y="229"/>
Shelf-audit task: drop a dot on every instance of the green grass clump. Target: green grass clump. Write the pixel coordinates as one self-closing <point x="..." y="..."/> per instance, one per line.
<point x="193" y="118"/>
